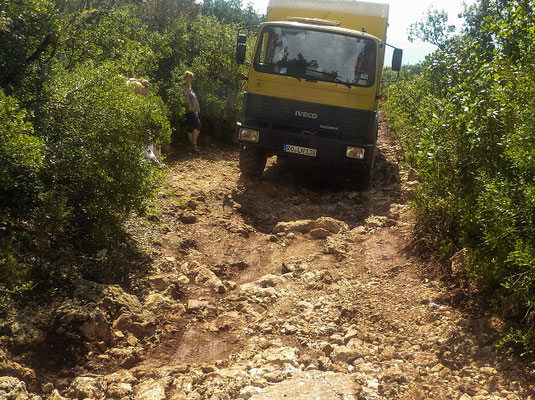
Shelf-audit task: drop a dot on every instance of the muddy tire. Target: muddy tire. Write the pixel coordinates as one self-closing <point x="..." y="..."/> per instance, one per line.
<point x="361" y="177"/>
<point x="252" y="161"/>
<point x="283" y="162"/>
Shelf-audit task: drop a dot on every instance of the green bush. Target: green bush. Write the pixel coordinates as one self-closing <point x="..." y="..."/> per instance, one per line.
<point x="27" y="32"/>
<point x="95" y="128"/>
<point x="71" y="163"/>
<point x="20" y="157"/>
<point x="20" y="163"/>
<point x="467" y="126"/>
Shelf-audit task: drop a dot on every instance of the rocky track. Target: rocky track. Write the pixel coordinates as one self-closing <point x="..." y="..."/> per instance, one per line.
<point x="286" y="287"/>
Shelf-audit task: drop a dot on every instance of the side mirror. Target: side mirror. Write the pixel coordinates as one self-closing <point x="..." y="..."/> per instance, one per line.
<point x="396" y="60"/>
<point x="241" y="49"/>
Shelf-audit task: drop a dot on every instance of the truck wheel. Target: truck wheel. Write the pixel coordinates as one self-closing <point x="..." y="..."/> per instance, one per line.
<point x="361" y="177"/>
<point x="252" y="161"/>
<point x="283" y="162"/>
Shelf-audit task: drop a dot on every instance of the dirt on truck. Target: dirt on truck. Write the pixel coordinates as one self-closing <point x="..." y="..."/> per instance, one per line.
<point x="313" y="86"/>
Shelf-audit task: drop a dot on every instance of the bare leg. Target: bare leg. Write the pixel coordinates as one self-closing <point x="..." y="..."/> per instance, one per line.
<point x="195" y="136"/>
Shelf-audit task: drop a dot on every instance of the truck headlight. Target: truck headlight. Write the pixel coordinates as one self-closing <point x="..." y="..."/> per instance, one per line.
<point x="249" y="135"/>
<point x="355" y="152"/>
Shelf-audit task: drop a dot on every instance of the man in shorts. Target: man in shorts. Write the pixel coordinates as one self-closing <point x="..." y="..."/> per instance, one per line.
<point x="192" y="115"/>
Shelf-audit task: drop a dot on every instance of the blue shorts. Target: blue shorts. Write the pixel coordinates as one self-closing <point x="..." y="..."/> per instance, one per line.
<point x="192" y="121"/>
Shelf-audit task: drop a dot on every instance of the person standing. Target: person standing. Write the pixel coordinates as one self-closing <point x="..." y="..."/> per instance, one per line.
<point x="192" y="115"/>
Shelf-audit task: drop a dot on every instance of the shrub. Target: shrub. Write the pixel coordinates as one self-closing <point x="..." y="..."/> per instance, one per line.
<point x="95" y="128"/>
<point x="20" y="163"/>
<point x="20" y="157"/>
<point x="466" y="123"/>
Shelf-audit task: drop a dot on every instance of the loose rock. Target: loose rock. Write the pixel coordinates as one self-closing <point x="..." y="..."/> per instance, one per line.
<point x="311" y="385"/>
<point x="12" y="388"/>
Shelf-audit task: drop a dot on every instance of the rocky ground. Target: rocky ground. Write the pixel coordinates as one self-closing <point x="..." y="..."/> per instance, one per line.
<point x="286" y="287"/>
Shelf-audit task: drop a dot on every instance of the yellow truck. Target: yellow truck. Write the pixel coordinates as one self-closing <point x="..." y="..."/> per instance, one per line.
<point x="313" y="86"/>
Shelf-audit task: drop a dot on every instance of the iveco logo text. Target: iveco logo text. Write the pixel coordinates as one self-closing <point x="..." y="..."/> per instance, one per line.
<point x="306" y="114"/>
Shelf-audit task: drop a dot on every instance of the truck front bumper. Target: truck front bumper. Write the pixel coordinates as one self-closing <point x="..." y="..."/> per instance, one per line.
<point x="328" y="149"/>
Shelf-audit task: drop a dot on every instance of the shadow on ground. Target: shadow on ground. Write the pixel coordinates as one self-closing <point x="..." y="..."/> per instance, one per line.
<point x="290" y="193"/>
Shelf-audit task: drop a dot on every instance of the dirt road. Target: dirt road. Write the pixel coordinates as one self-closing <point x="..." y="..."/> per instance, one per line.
<point x="317" y="293"/>
<point x="290" y="287"/>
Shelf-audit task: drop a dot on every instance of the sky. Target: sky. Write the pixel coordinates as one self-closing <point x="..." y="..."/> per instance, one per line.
<point x="401" y="15"/>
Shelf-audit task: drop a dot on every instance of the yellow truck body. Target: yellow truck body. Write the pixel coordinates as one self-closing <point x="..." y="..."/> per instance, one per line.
<point x="313" y="85"/>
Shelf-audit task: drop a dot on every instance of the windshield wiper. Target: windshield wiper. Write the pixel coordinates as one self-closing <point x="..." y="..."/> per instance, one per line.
<point x="306" y="77"/>
<point x="328" y="74"/>
<point x="337" y="80"/>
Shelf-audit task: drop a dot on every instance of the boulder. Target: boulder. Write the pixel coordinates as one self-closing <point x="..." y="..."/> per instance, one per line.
<point x="55" y="396"/>
<point x="310" y="385"/>
<point x="352" y="332"/>
<point x="11" y="368"/>
<point x="354" y="349"/>
<point x="302" y="226"/>
<point x="207" y="278"/>
<point x="336" y="246"/>
<point x="96" y="328"/>
<point x="82" y="321"/>
<point x="116" y="301"/>
<point x="127" y="357"/>
<point x="327" y="224"/>
<point x="88" y="387"/>
<point x="376" y="221"/>
<point x="344" y="354"/>
<point x="330" y="225"/>
<point x="151" y="390"/>
<point x="120" y="390"/>
<point x="24" y="331"/>
<point x="258" y="293"/>
<point x="228" y="321"/>
<point x="196" y="305"/>
<point x="320" y="233"/>
<point x="124" y="308"/>
<point x="162" y="282"/>
<point x="97" y="308"/>
<point x="140" y="325"/>
<point x="280" y="356"/>
<point x="12" y="388"/>
<point x="157" y="302"/>
<point x="324" y="363"/>
<point x="270" y="280"/>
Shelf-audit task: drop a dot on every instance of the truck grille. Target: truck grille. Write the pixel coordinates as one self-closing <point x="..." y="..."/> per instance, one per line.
<point x="316" y="119"/>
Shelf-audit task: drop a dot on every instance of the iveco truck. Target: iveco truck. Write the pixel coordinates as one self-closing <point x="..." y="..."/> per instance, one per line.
<point x="313" y="86"/>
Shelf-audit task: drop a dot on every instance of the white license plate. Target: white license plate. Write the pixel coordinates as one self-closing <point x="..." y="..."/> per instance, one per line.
<point x="289" y="148"/>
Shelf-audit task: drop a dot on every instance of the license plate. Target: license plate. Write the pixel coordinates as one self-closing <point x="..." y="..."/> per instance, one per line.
<point x="289" y="148"/>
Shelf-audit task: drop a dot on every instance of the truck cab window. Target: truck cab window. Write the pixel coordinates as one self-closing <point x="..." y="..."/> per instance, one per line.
<point x="317" y="55"/>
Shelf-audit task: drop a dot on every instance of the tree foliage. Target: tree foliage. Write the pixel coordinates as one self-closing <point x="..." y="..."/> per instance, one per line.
<point x="72" y="131"/>
<point x="467" y="125"/>
<point x="232" y="11"/>
<point x="432" y="29"/>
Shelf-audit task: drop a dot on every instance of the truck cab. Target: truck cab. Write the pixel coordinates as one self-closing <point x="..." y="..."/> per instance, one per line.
<point x="313" y="86"/>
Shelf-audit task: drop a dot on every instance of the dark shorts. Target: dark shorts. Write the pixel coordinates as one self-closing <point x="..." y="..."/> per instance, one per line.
<point x="192" y="121"/>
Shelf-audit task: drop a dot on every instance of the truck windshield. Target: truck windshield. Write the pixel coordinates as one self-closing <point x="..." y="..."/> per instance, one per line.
<point x="311" y="54"/>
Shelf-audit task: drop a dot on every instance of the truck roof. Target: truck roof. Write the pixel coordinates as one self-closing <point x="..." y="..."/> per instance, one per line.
<point x="354" y="15"/>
